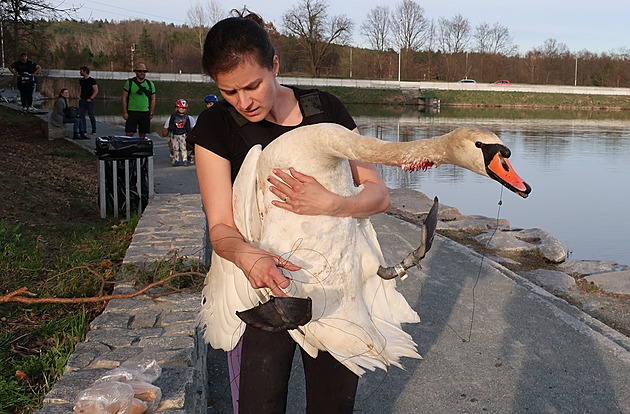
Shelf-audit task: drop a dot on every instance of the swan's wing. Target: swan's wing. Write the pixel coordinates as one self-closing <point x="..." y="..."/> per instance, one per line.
<point x="244" y="199"/>
<point x="227" y="290"/>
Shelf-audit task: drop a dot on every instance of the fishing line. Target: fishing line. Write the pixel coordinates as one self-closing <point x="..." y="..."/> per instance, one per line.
<point x="474" y="288"/>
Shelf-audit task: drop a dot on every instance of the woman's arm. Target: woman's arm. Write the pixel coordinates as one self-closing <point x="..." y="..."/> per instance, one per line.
<point x="260" y="267"/>
<point x="303" y="194"/>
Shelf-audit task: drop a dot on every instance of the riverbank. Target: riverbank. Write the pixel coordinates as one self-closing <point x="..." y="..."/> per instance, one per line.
<point x="110" y="89"/>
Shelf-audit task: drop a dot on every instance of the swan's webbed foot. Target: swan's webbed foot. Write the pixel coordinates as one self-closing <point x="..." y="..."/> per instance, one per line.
<point x="279" y="313"/>
<point x="413" y="258"/>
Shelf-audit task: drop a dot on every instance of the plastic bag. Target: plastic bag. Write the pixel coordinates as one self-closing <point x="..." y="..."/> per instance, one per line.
<point x="108" y="397"/>
<point x="123" y="390"/>
<point x="147" y="370"/>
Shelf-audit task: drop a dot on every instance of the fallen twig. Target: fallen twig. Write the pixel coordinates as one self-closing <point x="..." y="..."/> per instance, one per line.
<point x="18" y="295"/>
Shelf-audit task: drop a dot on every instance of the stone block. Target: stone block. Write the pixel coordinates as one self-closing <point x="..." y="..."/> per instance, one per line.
<point x="52" y="132"/>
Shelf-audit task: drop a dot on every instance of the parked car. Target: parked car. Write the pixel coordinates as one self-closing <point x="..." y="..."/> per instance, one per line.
<point x="467" y="81"/>
<point x="502" y="82"/>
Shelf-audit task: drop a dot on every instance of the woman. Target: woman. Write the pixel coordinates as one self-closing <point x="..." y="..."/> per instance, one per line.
<point x="58" y="117"/>
<point x="241" y="59"/>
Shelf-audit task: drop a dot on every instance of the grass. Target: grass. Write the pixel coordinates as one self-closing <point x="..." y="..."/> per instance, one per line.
<point x="52" y="241"/>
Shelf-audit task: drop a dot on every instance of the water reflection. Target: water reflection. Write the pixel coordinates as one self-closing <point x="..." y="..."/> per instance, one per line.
<point x="576" y="163"/>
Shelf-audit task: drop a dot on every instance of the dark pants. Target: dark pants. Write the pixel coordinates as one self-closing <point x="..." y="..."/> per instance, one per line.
<point x="266" y="362"/>
<point x="74" y="121"/>
<point x="139" y="120"/>
<point x="84" y="106"/>
<point x="26" y="94"/>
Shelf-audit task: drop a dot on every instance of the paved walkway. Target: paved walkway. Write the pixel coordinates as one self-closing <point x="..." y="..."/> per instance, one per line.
<point x="492" y="342"/>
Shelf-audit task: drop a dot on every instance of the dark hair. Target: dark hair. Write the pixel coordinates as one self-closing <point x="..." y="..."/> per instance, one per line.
<point x="85" y="69"/>
<point x="62" y="91"/>
<point x="235" y="39"/>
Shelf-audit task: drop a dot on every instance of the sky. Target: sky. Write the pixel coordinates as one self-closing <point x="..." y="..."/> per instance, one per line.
<point x="580" y="25"/>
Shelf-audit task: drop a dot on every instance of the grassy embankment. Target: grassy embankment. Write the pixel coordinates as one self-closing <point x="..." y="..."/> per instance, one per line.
<point x="54" y="243"/>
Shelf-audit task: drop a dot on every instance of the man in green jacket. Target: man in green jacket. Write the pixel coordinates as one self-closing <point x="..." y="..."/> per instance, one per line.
<point x="138" y="101"/>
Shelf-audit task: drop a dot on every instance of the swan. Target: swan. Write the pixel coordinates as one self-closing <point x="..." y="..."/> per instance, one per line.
<point x="356" y="315"/>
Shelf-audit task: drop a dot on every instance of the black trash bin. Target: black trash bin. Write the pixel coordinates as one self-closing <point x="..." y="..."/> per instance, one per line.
<point x="125" y="174"/>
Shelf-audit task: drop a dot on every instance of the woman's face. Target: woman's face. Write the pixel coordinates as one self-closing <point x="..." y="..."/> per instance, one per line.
<point x="65" y="93"/>
<point x="250" y="88"/>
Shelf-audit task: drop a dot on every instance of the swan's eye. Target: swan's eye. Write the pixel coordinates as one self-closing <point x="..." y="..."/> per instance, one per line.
<point x="478" y="144"/>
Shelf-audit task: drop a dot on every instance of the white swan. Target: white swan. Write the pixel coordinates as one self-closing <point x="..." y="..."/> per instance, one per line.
<point x="357" y="316"/>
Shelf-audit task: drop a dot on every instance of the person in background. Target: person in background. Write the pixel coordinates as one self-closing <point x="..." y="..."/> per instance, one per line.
<point x="26" y="71"/>
<point x="59" y="118"/>
<point x="240" y="58"/>
<point x="210" y="100"/>
<point x="89" y="90"/>
<point x="138" y="102"/>
<point x="178" y="126"/>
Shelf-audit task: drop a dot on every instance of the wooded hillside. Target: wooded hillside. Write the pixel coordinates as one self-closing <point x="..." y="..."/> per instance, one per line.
<point x="104" y="45"/>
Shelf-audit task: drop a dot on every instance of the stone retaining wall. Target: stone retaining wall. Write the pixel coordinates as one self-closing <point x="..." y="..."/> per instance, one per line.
<point x="163" y="329"/>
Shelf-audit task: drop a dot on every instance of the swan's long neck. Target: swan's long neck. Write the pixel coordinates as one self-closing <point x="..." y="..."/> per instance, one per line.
<point x="411" y="156"/>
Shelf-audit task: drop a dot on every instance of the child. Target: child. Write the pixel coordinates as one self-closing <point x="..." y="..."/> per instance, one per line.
<point x="178" y="126"/>
<point x="210" y="100"/>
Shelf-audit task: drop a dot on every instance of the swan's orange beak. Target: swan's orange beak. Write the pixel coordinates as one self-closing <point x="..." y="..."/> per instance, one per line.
<point x="500" y="169"/>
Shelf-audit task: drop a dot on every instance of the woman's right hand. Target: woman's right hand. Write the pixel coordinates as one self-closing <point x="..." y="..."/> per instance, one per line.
<point x="262" y="269"/>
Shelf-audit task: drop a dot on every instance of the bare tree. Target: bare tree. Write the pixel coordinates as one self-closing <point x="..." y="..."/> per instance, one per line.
<point x="482" y="38"/>
<point x="21" y="12"/>
<point x="377" y="27"/>
<point x="201" y="17"/>
<point x="410" y="26"/>
<point x="454" y="34"/>
<point x="543" y="61"/>
<point x="493" y="39"/>
<point x="315" y="31"/>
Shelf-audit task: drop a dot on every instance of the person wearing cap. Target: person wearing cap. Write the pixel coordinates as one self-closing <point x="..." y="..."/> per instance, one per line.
<point x="25" y="70"/>
<point x="138" y="101"/>
<point x="177" y="126"/>
<point x="210" y="100"/>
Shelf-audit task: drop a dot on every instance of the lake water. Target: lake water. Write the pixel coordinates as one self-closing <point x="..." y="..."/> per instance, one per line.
<point x="578" y="170"/>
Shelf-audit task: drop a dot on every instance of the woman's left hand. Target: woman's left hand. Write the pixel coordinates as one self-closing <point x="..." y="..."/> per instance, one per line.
<point x="302" y="194"/>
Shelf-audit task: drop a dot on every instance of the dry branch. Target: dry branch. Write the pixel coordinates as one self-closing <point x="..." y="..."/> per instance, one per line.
<point x="18" y="295"/>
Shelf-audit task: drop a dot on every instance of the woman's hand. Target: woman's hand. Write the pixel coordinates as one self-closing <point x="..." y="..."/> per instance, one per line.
<point x="302" y="194"/>
<point x="262" y="269"/>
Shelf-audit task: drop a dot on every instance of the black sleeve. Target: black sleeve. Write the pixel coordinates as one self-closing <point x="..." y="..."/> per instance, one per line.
<point x="337" y="110"/>
<point x="213" y="131"/>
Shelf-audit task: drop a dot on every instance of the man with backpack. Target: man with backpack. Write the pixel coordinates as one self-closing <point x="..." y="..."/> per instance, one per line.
<point x="138" y="101"/>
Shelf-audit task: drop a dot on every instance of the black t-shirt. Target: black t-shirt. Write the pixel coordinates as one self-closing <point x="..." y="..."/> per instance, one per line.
<point x="86" y="87"/>
<point x="24" y="67"/>
<point x="217" y="131"/>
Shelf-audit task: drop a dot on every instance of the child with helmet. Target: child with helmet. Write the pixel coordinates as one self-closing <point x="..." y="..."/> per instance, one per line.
<point x="210" y="100"/>
<point x="177" y="126"/>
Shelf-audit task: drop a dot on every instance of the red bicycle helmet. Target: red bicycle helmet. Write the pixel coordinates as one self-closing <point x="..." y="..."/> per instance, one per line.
<point x="181" y="103"/>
